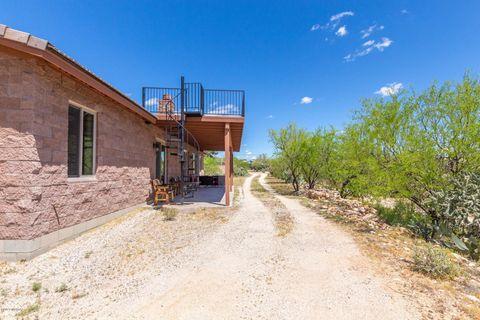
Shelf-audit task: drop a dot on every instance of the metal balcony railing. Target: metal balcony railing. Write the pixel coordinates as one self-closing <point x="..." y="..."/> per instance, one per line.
<point x="198" y="101"/>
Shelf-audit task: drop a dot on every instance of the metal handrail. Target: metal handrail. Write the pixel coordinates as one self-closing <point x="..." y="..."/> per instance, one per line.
<point x="198" y="100"/>
<point x="170" y="114"/>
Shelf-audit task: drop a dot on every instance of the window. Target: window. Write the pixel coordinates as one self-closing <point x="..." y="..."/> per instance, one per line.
<point x="160" y="160"/>
<point x="81" y="142"/>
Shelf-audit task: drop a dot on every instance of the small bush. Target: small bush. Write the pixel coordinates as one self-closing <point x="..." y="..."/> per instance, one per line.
<point x="402" y="214"/>
<point x="36" y="286"/>
<point x="28" y="310"/>
<point x="169" y="214"/>
<point x="62" y="288"/>
<point x="434" y="262"/>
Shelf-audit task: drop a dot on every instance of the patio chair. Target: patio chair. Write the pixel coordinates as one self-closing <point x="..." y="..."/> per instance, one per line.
<point x="161" y="193"/>
<point x="175" y="185"/>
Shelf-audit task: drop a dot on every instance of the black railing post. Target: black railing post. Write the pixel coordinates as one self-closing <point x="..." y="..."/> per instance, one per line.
<point x="243" y="104"/>
<point x="202" y="100"/>
<point x="143" y="98"/>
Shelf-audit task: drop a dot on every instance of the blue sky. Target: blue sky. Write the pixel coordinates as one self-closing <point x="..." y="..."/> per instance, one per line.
<point x="280" y="52"/>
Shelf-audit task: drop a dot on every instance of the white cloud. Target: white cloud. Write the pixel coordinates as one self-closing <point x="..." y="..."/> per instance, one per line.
<point x="368" y="43"/>
<point x="368" y="47"/>
<point x="340" y="15"/>
<point x="216" y="108"/>
<point x="342" y="31"/>
<point x="367" y="32"/>
<point x="333" y="23"/>
<point x="404" y="11"/>
<point x="248" y="152"/>
<point x="384" y="44"/>
<point x="306" y="100"/>
<point x="151" y="102"/>
<point x="270" y="116"/>
<point x="390" y="89"/>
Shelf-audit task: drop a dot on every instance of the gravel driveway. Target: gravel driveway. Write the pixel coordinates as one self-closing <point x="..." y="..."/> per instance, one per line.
<point x="239" y="269"/>
<point x="244" y="271"/>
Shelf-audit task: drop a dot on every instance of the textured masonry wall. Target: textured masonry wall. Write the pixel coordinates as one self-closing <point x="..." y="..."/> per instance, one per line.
<point x="35" y="196"/>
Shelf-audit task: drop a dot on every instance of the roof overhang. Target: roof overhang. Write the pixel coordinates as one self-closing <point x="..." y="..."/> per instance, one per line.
<point x="210" y="131"/>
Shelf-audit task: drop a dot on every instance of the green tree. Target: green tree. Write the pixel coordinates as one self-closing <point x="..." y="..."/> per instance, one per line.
<point x="261" y="163"/>
<point x="288" y="149"/>
<point x="212" y="166"/>
<point x="240" y="167"/>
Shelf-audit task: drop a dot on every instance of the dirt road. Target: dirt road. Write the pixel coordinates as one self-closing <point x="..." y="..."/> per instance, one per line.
<point x="244" y="271"/>
<point x="196" y="267"/>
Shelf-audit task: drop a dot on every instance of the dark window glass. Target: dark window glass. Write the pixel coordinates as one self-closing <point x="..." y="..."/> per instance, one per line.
<point x="160" y="172"/>
<point x="73" y="141"/>
<point x="163" y="164"/>
<point x="87" y="153"/>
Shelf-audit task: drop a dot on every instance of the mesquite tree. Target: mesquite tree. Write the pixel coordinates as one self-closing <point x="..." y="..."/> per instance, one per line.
<point x="288" y="148"/>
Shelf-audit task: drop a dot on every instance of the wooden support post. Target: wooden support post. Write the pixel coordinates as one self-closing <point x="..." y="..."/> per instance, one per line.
<point x="227" y="164"/>
<point x="231" y="165"/>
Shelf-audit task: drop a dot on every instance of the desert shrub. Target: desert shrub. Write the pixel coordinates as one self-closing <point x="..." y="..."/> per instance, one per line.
<point x="434" y="262"/>
<point x="261" y="163"/>
<point x="240" y="172"/>
<point x="61" y="288"/>
<point x="29" y="310"/>
<point x="36" y="286"/>
<point x="212" y="166"/>
<point x="240" y="167"/>
<point x="169" y="214"/>
<point x="458" y="212"/>
<point x="402" y="214"/>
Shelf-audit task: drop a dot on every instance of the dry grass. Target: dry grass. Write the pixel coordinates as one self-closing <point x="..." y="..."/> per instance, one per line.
<point x="392" y="249"/>
<point x="169" y="214"/>
<point x="283" y="221"/>
<point x="212" y="214"/>
<point x="237" y="191"/>
<point x="280" y="186"/>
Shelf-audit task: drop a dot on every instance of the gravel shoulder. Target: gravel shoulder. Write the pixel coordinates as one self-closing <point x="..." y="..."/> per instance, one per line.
<point x="231" y="265"/>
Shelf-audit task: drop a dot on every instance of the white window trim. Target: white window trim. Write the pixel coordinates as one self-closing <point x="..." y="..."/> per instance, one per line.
<point x="85" y="177"/>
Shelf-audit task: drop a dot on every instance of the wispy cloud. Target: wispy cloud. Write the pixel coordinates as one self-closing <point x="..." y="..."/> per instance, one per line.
<point x="342" y="31"/>
<point x="385" y="43"/>
<point x="371" y="29"/>
<point x="368" y="47"/>
<point x="270" y="116"/>
<point x="306" y="100"/>
<point x="404" y="11"/>
<point x="151" y="102"/>
<point x="340" y="15"/>
<point x="333" y="23"/>
<point x="390" y="89"/>
<point x="368" y="43"/>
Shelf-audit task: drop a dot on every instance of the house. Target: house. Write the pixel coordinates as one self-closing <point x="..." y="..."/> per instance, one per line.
<point x="75" y="152"/>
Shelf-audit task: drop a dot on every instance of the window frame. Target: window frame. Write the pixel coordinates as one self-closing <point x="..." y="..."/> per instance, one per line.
<point x="85" y="177"/>
<point x="162" y="144"/>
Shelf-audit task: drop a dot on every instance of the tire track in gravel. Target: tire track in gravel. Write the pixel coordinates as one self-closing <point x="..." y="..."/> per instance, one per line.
<point x="243" y="270"/>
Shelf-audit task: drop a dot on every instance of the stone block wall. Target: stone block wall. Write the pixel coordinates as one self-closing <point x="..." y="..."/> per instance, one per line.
<point x="36" y="196"/>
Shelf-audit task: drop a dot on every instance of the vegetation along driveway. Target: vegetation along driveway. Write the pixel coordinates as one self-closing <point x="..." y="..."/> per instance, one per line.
<point x="241" y="268"/>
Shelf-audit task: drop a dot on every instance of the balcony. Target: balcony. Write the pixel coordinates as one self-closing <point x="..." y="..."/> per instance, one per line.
<point x="198" y="101"/>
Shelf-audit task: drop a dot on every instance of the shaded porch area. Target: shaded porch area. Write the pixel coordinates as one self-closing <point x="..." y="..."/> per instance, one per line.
<point x="205" y="197"/>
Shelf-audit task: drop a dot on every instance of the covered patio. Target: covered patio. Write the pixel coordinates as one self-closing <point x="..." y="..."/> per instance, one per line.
<point x="205" y="197"/>
<point x="206" y="120"/>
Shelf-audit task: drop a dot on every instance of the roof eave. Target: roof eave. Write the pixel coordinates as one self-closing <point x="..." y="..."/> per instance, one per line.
<point x="26" y="43"/>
